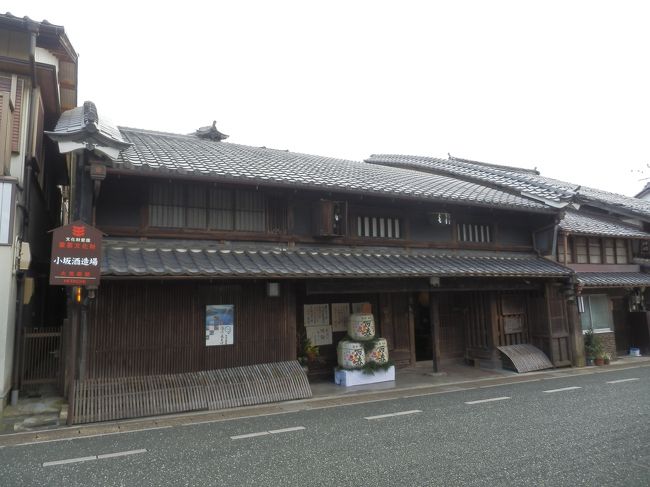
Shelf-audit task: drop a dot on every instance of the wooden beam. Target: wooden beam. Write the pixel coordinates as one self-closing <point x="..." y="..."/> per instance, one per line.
<point x="434" y="320"/>
<point x="365" y="286"/>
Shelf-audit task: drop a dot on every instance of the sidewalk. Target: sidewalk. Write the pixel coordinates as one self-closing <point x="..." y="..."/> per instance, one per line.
<point x="411" y="381"/>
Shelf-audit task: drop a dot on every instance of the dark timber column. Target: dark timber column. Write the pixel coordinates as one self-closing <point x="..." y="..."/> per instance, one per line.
<point x="434" y="319"/>
<point x="575" y="335"/>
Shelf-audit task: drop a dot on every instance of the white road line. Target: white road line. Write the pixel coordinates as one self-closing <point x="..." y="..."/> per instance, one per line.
<point x="121" y="453"/>
<point x="562" y="390"/>
<point x="92" y="436"/>
<point x="70" y="460"/>
<point x="622" y="380"/>
<point x="287" y="430"/>
<point x="488" y="400"/>
<point x="400" y="413"/>
<point x="511" y="383"/>
<point x="249" y="435"/>
<point x="94" y="457"/>
<point x="265" y="433"/>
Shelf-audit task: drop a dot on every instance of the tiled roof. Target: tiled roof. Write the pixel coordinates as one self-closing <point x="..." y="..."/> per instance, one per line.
<point x="514" y="179"/>
<point x="170" y="258"/>
<point x="179" y="155"/>
<point x="521" y="181"/>
<point x="588" y="224"/>
<point x="613" y="279"/>
<point x="82" y="127"/>
<point x="615" y="202"/>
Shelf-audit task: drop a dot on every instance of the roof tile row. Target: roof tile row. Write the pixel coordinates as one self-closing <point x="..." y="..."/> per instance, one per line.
<point x="169" y="258"/>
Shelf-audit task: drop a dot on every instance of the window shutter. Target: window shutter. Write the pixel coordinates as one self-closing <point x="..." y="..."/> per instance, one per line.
<point x="5" y="133"/>
<point x="18" y="105"/>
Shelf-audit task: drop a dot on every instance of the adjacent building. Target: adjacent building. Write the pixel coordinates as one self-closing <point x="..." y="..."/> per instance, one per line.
<point x="601" y="236"/>
<point x="38" y="73"/>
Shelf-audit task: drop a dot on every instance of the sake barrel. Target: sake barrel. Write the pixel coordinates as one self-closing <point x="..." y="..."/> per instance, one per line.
<point x="350" y="354"/>
<point x="361" y="326"/>
<point x="379" y="352"/>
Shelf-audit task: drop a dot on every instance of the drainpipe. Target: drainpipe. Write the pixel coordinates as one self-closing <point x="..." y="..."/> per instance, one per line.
<point x="32" y="27"/>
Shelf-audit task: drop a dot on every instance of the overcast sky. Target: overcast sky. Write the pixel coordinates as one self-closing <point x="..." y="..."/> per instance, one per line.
<point x="562" y="86"/>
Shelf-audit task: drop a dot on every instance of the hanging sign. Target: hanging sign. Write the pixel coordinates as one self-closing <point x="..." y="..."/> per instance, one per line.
<point x="76" y="255"/>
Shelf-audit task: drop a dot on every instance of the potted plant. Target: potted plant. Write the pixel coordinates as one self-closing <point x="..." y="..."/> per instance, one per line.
<point x="593" y="349"/>
<point x="311" y="351"/>
<point x="307" y="351"/>
<point x="607" y="358"/>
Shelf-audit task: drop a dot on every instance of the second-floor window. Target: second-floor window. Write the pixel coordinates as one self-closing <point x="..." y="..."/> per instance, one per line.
<point x="474" y="232"/>
<point x="200" y="207"/>
<point x="592" y="250"/>
<point x="379" y="227"/>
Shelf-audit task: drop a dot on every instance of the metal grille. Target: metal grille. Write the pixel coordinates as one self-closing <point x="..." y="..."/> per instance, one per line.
<point x="132" y="397"/>
<point x="41" y="355"/>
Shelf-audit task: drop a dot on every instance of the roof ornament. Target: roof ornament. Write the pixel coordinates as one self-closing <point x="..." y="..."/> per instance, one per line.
<point x="81" y="129"/>
<point x="90" y="116"/>
<point x="210" y="132"/>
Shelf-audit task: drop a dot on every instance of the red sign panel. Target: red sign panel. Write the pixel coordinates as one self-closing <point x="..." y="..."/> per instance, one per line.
<point x="76" y="255"/>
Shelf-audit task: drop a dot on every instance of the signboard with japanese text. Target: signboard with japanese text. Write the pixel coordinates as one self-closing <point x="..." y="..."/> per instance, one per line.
<point x="76" y="254"/>
<point x="219" y="324"/>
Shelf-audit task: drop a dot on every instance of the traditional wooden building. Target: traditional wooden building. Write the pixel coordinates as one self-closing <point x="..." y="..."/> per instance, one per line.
<point x="38" y="69"/>
<point x="203" y="236"/>
<point x="603" y="237"/>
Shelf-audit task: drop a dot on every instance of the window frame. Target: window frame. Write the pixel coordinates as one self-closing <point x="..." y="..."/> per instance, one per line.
<point x="604" y="253"/>
<point x="7" y="196"/>
<point x="487" y="230"/>
<point x="587" y="298"/>
<point x="378" y="226"/>
<point x="234" y="195"/>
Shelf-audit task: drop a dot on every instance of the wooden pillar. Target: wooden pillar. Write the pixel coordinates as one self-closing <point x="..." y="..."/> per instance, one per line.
<point x="434" y="320"/>
<point x="411" y="330"/>
<point x="576" y="341"/>
<point x="495" y="336"/>
<point x="71" y="359"/>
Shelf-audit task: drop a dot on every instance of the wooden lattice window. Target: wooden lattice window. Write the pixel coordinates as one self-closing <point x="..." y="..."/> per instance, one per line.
<point x="474" y="232"/>
<point x="580" y="247"/>
<point x="175" y="205"/>
<point x="379" y="227"/>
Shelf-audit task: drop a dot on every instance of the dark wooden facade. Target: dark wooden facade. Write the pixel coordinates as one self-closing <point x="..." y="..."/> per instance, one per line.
<point x="124" y="209"/>
<point x="153" y="327"/>
<point x="150" y="326"/>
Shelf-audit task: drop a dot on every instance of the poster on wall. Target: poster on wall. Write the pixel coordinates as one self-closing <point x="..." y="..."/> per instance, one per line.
<point x="319" y="335"/>
<point x="219" y="324"/>
<point x="316" y="314"/>
<point x="340" y="315"/>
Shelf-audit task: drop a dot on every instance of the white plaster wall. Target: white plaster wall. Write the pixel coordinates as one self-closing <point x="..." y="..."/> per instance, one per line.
<point x="46" y="57"/>
<point x="7" y="317"/>
<point x="8" y="256"/>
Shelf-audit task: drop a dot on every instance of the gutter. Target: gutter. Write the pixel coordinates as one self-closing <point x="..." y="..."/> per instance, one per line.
<point x="33" y="29"/>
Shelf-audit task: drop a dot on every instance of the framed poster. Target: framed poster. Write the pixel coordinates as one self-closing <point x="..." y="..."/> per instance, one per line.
<point x="340" y="315"/>
<point x="219" y="324"/>
<point x="316" y="314"/>
<point x="319" y="335"/>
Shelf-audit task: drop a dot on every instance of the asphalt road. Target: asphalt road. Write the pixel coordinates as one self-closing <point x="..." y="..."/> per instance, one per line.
<point x="583" y="430"/>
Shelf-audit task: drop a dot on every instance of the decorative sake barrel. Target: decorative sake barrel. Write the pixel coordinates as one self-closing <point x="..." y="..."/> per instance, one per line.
<point x="361" y="326"/>
<point x="379" y="352"/>
<point x="350" y="354"/>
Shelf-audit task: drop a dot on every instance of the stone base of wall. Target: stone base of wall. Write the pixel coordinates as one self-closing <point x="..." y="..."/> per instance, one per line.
<point x="609" y="343"/>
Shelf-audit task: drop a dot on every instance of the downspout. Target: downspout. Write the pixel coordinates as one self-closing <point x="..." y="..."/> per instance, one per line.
<point x="32" y="27"/>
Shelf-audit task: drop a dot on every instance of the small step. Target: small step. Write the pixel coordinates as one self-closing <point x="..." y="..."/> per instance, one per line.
<point x="38" y="421"/>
